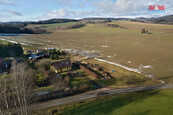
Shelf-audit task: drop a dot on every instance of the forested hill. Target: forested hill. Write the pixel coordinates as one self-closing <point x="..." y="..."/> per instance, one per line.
<point x="51" y="21"/>
<point x="16" y="29"/>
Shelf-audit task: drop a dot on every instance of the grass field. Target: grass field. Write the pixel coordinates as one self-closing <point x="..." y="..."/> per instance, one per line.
<point x="153" y="102"/>
<point x="121" y="77"/>
<point x="125" y="46"/>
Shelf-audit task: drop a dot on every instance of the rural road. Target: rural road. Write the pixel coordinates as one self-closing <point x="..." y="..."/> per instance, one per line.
<point x="93" y="94"/>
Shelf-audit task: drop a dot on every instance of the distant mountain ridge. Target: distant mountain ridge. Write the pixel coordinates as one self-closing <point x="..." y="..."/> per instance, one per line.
<point x="106" y="19"/>
<point x="161" y="20"/>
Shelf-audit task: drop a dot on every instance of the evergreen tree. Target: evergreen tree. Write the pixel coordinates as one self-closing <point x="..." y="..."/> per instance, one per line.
<point x="10" y="50"/>
<point x="143" y="31"/>
<point x="146" y="31"/>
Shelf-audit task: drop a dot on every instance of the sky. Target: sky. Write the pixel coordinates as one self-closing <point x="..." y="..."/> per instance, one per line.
<point x="34" y="10"/>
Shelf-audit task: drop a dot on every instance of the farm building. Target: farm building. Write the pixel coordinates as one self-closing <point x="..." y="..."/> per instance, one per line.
<point x="60" y="65"/>
<point x="37" y="56"/>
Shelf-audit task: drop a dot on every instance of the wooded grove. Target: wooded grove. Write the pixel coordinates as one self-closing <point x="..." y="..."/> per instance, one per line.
<point x="10" y="50"/>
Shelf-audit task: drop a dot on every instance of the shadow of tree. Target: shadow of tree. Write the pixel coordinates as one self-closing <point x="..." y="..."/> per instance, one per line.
<point x="143" y="113"/>
<point x="105" y="106"/>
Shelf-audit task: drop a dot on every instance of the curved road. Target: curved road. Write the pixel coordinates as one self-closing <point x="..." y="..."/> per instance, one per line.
<point x="93" y="94"/>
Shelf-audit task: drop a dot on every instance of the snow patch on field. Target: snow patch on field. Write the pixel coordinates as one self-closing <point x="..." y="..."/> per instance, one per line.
<point x="147" y="66"/>
<point x="14" y="42"/>
<point x="122" y="66"/>
<point x="130" y="69"/>
<point x="129" y="61"/>
<point x="104" y="46"/>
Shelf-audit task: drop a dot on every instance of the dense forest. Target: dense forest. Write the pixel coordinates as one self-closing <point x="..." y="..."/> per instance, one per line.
<point x="16" y="29"/>
<point x="10" y="50"/>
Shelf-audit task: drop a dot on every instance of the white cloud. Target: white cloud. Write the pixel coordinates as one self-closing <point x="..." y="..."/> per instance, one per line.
<point x="100" y="8"/>
<point x="7" y="2"/>
<point x="63" y="13"/>
<point x="129" y="7"/>
<point x="111" y="8"/>
<point x="11" y="12"/>
<point x="56" y="13"/>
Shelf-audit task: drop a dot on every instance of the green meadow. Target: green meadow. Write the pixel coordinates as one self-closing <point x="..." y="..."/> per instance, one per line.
<point x="154" y="102"/>
<point x="151" y="102"/>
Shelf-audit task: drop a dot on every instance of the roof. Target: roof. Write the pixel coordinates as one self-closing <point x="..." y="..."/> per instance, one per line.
<point x="34" y="56"/>
<point x="61" y="64"/>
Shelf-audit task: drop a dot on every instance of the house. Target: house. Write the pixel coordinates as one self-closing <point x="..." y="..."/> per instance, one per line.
<point x="59" y="65"/>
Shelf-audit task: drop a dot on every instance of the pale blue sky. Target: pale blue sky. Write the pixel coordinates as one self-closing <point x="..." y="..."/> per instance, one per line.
<point x="29" y="10"/>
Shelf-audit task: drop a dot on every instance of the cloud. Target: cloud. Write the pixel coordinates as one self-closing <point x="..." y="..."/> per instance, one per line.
<point x="14" y="13"/>
<point x="111" y="8"/>
<point x="106" y="8"/>
<point x="7" y="2"/>
<point x="55" y="13"/>
<point x="65" y="13"/>
<point x="129" y="7"/>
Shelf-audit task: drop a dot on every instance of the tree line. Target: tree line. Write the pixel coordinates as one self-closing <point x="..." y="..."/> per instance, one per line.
<point x="51" y="21"/>
<point x="76" y="25"/>
<point x="10" y="50"/>
<point x="55" y="55"/>
<point x="17" y="29"/>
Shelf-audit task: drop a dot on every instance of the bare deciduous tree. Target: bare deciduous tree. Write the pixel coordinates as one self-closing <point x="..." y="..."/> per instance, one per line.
<point x="4" y="98"/>
<point x="16" y="90"/>
<point x="22" y="86"/>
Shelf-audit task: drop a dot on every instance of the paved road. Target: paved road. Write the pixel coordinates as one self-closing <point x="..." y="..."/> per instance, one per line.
<point x="93" y="94"/>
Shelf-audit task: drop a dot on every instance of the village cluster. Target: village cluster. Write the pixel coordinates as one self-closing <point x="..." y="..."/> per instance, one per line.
<point x="57" y="71"/>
